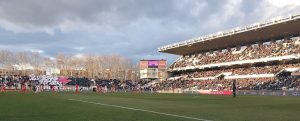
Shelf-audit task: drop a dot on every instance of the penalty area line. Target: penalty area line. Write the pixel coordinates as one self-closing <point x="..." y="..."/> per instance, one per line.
<point x="143" y="110"/>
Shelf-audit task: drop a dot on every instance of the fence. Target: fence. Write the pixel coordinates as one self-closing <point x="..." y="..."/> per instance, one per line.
<point x="270" y="92"/>
<point x="248" y="92"/>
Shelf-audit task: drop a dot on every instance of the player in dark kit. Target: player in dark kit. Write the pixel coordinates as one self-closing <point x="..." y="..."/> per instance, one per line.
<point x="233" y="88"/>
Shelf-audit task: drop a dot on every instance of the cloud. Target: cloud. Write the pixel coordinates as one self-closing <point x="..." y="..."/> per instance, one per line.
<point x="37" y="51"/>
<point x="133" y="28"/>
<point x="281" y="3"/>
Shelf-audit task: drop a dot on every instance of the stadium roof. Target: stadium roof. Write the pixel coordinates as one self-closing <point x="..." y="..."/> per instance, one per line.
<point x="278" y="27"/>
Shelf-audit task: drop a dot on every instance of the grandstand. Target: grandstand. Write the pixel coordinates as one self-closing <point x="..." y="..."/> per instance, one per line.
<point x="262" y="56"/>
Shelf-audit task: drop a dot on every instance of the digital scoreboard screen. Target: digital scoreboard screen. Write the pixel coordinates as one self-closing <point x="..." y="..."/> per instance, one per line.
<point x="153" y="69"/>
<point x="153" y="64"/>
<point x="160" y="64"/>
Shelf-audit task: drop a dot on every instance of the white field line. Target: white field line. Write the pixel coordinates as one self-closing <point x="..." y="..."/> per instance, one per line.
<point x="143" y="110"/>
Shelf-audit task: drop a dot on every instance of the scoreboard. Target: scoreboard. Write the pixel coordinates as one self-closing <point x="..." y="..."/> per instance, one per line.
<point x="153" y="69"/>
<point x="160" y="64"/>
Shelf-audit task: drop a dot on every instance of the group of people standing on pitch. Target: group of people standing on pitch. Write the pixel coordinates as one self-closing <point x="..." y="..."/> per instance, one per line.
<point x="4" y="88"/>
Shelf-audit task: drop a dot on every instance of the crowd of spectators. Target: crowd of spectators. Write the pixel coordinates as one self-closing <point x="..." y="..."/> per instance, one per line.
<point x="273" y="69"/>
<point x="113" y="84"/>
<point x="51" y="82"/>
<point x="273" y="83"/>
<point x="254" y="51"/>
<point x="80" y="81"/>
<point x="126" y="85"/>
<point x="13" y="81"/>
<point x="188" y="79"/>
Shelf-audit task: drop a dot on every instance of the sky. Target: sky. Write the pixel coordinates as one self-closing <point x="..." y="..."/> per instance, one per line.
<point x="131" y="28"/>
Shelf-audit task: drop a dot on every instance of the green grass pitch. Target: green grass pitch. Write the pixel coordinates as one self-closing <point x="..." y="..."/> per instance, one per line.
<point x="16" y="106"/>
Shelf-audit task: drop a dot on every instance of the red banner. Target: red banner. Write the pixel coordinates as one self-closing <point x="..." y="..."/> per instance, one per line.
<point x="222" y="92"/>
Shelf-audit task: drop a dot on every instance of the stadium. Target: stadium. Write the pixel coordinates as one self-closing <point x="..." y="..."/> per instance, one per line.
<point x="262" y="56"/>
<point x="249" y="73"/>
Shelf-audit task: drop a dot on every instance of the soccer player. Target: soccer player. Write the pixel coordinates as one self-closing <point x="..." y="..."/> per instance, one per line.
<point x="3" y="88"/>
<point x="52" y="88"/>
<point x="23" y="88"/>
<point x="76" y="89"/>
<point x="234" y="88"/>
<point x="37" y="88"/>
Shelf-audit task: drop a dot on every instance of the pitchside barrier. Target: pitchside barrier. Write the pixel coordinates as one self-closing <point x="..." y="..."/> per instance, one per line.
<point x="269" y="92"/>
<point x="247" y="92"/>
<point x="177" y="90"/>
